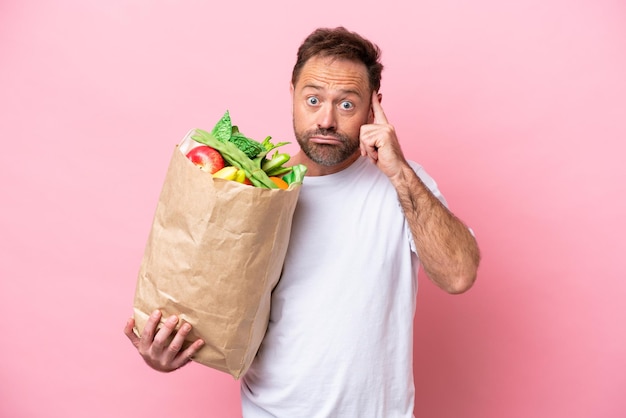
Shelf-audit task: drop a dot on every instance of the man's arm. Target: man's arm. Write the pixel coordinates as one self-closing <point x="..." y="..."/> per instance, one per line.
<point x="448" y="251"/>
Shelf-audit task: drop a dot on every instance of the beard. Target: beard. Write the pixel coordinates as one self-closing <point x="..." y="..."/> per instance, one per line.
<point x="327" y="154"/>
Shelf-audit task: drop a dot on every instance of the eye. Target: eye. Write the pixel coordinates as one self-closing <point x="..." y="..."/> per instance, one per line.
<point x="346" y="105"/>
<point x="313" y="101"/>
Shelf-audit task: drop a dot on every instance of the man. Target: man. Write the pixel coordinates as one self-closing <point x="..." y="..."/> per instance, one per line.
<point x="339" y="341"/>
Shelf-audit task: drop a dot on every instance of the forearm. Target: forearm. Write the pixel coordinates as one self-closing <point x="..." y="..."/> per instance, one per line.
<point x="447" y="249"/>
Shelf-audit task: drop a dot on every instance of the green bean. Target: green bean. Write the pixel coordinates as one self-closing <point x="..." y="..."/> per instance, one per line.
<point x="237" y="158"/>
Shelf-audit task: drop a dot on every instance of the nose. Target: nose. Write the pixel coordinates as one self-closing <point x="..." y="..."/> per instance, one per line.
<point x="326" y="117"/>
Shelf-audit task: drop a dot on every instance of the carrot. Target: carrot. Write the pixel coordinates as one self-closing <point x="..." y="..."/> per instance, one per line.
<point x="282" y="184"/>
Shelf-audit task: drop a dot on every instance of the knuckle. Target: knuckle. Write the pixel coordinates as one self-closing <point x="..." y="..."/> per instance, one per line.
<point x="175" y="347"/>
<point x="147" y="333"/>
<point x="145" y="354"/>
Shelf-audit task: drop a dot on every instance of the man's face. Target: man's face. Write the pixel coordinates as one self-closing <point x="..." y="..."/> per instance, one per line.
<point x="331" y="100"/>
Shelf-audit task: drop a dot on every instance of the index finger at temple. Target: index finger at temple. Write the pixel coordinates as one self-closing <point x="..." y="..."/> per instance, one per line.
<point x="379" y="114"/>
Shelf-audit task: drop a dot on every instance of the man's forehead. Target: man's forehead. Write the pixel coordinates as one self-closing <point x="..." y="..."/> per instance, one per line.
<point x="336" y="73"/>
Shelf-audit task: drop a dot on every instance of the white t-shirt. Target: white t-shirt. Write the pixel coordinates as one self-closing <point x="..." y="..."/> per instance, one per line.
<point x="340" y="338"/>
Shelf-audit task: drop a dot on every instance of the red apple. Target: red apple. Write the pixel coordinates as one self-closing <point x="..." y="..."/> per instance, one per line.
<point x="207" y="158"/>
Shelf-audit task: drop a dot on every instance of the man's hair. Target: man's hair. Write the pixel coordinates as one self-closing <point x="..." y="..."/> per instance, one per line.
<point x="339" y="43"/>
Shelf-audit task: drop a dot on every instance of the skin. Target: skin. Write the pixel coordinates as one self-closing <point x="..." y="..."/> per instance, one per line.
<point x="448" y="251"/>
<point x="337" y="119"/>
<point x="331" y="101"/>
<point x="153" y="347"/>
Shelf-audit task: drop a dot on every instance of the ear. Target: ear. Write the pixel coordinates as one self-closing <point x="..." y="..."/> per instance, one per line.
<point x="291" y="88"/>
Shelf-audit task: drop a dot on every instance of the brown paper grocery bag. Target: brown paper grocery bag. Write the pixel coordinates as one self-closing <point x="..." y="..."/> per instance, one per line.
<point x="213" y="256"/>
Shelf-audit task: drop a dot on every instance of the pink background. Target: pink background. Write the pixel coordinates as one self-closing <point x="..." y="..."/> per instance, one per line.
<point x="518" y="110"/>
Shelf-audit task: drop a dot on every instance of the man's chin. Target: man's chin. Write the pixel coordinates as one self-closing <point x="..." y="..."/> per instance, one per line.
<point x="327" y="156"/>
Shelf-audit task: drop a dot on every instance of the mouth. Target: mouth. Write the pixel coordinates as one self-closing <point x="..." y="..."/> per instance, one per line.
<point x="326" y="140"/>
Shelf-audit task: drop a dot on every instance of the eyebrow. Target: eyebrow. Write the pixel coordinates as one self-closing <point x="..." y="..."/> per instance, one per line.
<point x="344" y="91"/>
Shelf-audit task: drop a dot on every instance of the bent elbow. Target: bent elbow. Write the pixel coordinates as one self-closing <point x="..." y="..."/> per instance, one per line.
<point x="456" y="277"/>
<point x="464" y="278"/>
<point x="460" y="284"/>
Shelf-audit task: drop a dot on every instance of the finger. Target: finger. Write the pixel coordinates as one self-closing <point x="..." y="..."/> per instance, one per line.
<point x="369" y="152"/>
<point x="164" y="333"/>
<point x="363" y="148"/>
<point x="128" y="330"/>
<point x="373" y="155"/>
<point x="149" y="330"/>
<point x="379" y="114"/>
<point x="187" y="355"/>
<point x="177" y="341"/>
<point x="367" y="142"/>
